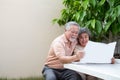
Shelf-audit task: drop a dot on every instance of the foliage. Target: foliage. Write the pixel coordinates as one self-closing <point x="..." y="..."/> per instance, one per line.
<point x="102" y="17"/>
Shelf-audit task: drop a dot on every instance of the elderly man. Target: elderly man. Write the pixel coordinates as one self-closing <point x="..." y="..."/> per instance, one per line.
<point x="60" y="52"/>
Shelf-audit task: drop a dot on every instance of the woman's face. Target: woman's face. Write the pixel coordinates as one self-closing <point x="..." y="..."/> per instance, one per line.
<point x="83" y="39"/>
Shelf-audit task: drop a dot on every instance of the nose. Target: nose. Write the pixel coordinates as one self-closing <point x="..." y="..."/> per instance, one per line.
<point x="75" y="34"/>
<point x="84" y="39"/>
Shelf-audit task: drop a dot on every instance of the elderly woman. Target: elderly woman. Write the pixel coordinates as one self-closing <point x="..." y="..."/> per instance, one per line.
<point x="83" y="38"/>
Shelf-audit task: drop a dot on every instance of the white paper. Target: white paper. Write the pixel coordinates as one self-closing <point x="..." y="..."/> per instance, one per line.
<point x="96" y="52"/>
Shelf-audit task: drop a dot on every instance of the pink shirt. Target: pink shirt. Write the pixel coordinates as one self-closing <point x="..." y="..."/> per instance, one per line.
<point x="59" y="47"/>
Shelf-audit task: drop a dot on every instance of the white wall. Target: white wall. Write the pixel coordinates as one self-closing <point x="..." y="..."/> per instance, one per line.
<point x="26" y="32"/>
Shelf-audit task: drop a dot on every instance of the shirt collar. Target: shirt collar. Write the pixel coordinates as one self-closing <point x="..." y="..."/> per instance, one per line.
<point x="65" y="39"/>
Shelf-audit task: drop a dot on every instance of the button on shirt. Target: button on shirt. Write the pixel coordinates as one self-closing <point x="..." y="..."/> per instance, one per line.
<point x="59" y="47"/>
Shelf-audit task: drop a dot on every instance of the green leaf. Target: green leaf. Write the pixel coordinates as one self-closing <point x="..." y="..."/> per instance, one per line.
<point x="87" y="24"/>
<point x="115" y="29"/>
<point x="63" y="11"/>
<point x="66" y="2"/>
<point x="111" y="3"/>
<point x="85" y="4"/>
<point x="113" y="17"/>
<point x="93" y="2"/>
<point x="101" y="2"/>
<point x="107" y="26"/>
<point x="77" y="16"/>
<point x="109" y="13"/>
<point x="119" y="19"/>
<point x="93" y="23"/>
<point x="54" y="21"/>
<point x="118" y="10"/>
<point x="118" y="28"/>
<point x="76" y="3"/>
<point x="82" y="15"/>
<point x="98" y="26"/>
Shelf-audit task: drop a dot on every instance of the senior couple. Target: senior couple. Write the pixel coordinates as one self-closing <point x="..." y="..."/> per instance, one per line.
<point x="64" y="49"/>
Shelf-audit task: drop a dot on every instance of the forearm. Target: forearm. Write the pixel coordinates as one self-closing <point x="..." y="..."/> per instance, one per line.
<point x="68" y="59"/>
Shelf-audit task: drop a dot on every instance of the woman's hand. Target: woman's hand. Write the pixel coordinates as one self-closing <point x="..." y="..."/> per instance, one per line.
<point x="113" y="60"/>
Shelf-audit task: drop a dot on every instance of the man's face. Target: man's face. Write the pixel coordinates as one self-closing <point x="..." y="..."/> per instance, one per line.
<point x="72" y="34"/>
<point x="83" y="39"/>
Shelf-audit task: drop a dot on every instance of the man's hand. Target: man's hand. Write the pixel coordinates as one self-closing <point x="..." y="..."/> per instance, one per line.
<point x="79" y="55"/>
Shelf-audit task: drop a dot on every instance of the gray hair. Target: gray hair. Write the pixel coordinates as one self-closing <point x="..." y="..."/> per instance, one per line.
<point x="84" y="30"/>
<point x="69" y="24"/>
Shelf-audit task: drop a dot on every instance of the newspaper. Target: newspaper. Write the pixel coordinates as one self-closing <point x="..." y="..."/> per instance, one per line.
<point x="96" y="52"/>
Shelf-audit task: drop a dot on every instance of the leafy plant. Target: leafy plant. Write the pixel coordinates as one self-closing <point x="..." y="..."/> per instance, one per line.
<point x="102" y="17"/>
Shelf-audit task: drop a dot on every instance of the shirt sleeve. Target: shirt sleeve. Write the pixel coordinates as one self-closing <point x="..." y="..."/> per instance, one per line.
<point x="76" y="49"/>
<point x="59" y="49"/>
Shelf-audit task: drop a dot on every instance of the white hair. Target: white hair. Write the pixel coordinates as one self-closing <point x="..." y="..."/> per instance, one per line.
<point x="69" y="24"/>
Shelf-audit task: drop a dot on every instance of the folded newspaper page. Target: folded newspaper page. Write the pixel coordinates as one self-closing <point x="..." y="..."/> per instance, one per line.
<point x="96" y="52"/>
